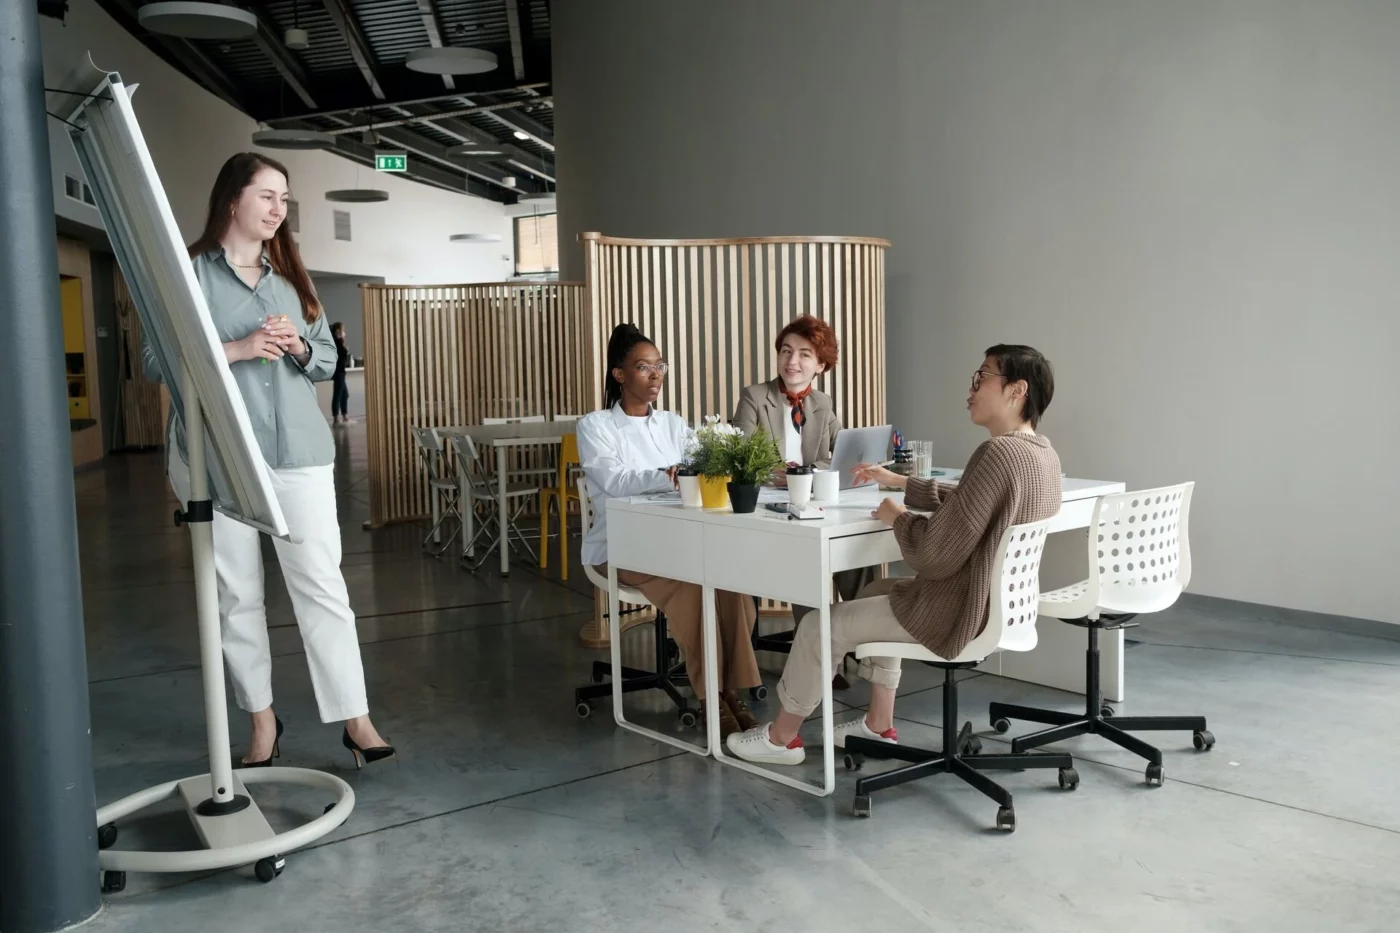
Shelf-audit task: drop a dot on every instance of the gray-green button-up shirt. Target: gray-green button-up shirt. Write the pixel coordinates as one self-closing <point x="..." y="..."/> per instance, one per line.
<point x="280" y="398"/>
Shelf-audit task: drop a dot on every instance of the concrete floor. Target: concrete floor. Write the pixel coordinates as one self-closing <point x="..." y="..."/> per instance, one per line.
<point x="505" y="812"/>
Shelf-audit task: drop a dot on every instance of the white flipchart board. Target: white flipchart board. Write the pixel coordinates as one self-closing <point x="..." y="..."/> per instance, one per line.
<point x="173" y="312"/>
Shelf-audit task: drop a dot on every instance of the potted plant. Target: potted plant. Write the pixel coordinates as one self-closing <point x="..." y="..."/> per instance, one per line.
<point x="749" y="460"/>
<point x="709" y="458"/>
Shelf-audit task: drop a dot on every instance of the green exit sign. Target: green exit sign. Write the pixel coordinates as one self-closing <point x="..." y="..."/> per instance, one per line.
<point x="390" y="162"/>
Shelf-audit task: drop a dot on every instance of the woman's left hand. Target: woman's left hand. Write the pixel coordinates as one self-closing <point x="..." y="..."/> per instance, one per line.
<point x="888" y="511"/>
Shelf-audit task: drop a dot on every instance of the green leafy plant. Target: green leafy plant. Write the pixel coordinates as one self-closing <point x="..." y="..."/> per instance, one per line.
<point x="750" y="459"/>
<point x="709" y="456"/>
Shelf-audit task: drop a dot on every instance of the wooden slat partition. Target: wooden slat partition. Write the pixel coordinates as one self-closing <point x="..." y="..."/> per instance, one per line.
<point x="715" y="307"/>
<point x="142" y="423"/>
<point x="456" y="354"/>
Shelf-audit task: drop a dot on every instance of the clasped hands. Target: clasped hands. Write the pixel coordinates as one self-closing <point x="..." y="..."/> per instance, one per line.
<point x="276" y="337"/>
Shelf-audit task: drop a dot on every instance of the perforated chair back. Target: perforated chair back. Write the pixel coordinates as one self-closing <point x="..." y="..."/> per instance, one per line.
<point x="625" y="593"/>
<point x="1139" y="550"/>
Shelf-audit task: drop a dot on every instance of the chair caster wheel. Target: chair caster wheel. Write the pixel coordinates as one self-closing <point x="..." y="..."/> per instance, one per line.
<point x="1069" y="778"/>
<point x="584" y="709"/>
<point x="861" y="807"/>
<point x="1155" y="775"/>
<point x="1203" y="740"/>
<point x="1106" y="711"/>
<point x="759" y="693"/>
<point x="268" y="868"/>
<point x="1001" y="726"/>
<point x="107" y="836"/>
<point x="1006" y="819"/>
<point x="973" y="746"/>
<point x="854" y="761"/>
<point x="688" y="719"/>
<point x="113" y="882"/>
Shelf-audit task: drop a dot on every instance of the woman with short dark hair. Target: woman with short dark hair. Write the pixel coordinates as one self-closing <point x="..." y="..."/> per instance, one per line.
<point x="1011" y="479"/>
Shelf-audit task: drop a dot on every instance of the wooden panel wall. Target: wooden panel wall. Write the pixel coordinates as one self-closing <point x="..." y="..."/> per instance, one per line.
<point x="141" y="409"/>
<point x="715" y="308"/>
<point x="455" y="354"/>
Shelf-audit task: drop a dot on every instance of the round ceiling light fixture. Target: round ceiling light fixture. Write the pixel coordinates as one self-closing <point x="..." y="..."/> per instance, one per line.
<point x="296" y="39"/>
<point x="357" y="195"/>
<point x="293" y="139"/>
<point x="198" y="20"/>
<point x="450" y="60"/>
<point x="475" y="238"/>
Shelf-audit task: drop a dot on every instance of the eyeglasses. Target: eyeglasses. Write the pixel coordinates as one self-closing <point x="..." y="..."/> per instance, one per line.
<point x="977" y="378"/>
<point x="658" y="368"/>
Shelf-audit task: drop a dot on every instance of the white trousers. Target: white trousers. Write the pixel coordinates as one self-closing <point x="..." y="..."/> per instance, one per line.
<point x="311" y="569"/>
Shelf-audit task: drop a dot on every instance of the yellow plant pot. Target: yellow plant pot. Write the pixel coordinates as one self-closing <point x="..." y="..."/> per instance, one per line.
<point x="714" y="492"/>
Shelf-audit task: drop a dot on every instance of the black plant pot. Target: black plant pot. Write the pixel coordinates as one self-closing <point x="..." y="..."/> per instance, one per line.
<point x="743" y="497"/>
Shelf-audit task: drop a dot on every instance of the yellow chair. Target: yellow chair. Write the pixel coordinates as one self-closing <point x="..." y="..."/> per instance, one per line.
<point x="568" y="457"/>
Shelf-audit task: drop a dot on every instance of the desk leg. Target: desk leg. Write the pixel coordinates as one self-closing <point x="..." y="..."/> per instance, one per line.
<point x="619" y="716"/>
<point x="709" y="637"/>
<point x="468" y="514"/>
<point x="502" y="518"/>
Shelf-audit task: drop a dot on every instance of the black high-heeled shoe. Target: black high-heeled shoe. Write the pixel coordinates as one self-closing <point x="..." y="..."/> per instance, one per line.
<point x="365" y="756"/>
<point x="276" y="750"/>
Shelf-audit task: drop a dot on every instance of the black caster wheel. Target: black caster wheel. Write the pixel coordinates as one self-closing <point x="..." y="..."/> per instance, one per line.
<point x="1106" y="712"/>
<point x="1155" y="775"/>
<point x="584" y="709"/>
<point x="861" y="807"/>
<point x="854" y="761"/>
<point x="268" y="868"/>
<point x="1069" y="778"/>
<point x="1001" y="726"/>
<point x="973" y="746"/>
<point x="1203" y="741"/>
<point x="1006" y="819"/>
<point x="689" y="719"/>
<point x="759" y="693"/>
<point x="113" y="882"/>
<point x="107" y="836"/>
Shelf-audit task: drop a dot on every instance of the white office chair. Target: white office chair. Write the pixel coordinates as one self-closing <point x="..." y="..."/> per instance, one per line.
<point x="665" y="676"/>
<point x="1139" y="561"/>
<point x="1011" y="616"/>
<point x="442" y="489"/>
<point x="481" y="491"/>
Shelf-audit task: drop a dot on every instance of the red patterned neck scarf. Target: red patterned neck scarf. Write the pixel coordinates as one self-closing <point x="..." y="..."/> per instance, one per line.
<point x="795" y="400"/>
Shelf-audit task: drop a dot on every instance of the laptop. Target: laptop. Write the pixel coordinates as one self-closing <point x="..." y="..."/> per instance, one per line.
<point x="859" y="445"/>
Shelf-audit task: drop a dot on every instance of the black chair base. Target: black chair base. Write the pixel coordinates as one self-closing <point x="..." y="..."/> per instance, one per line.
<point x="961" y="756"/>
<point x="1098" y="719"/>
<point x="666" y="676"/>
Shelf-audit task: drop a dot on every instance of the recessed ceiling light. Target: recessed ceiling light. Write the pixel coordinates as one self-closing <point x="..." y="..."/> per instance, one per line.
<point x="357" y="195"/>
<point x="520" y="134"/>
<point x="451" y="61"/>
<point x="475" y="238"/>
<point x="293" y="139"/>
<point x="197" y="20"/>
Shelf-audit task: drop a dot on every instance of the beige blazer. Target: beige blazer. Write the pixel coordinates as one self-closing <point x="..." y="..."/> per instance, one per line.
<point x="764" y="404"/>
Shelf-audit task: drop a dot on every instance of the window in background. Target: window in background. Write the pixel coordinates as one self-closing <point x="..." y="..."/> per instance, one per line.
<point x="536" y="244"/>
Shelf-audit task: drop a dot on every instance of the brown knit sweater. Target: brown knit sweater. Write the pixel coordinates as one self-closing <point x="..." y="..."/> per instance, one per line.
<point x="1009" y="480"/>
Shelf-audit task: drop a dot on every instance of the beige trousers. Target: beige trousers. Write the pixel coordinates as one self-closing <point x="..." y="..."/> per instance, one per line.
<point x="865" y="619"/>
<point x="734" y="619"/>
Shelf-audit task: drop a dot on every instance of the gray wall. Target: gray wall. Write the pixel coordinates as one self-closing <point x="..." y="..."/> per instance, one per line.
<point x="1190" y="207"/>
<point x="340" y="296"/>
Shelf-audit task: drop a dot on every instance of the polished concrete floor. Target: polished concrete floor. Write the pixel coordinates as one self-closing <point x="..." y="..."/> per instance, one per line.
<point x="505" y="812"/>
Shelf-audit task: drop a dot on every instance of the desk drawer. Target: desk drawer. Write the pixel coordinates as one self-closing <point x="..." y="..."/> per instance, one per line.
<point x="657" y="545"/>
<point x="867" y="550"/>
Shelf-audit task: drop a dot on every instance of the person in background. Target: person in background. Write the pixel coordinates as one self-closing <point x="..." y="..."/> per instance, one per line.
<point x="630" y="448"/>
<point x="793" y="410"/>
<point x="273" y="328"/>
<point x="1013" y="477"/>
<point x="340" y="392"/>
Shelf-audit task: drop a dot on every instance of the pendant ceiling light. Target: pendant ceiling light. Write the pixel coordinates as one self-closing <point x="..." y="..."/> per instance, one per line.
<point x="357" y="195"/>
<point x="475" y="238"/>
<point x="473" y="151"/>
<point x="537" y="196"/>
<point x="198" y="20"/>
<point x="449" y="60"/>
<point x="293" y="139"/>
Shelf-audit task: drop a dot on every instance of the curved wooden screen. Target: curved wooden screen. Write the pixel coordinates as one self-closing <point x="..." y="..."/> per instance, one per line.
<point x="715" y="308"/>
<point x="446" y="355"/>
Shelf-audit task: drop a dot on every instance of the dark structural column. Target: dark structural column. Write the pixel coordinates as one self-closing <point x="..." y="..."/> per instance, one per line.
<point x="48" y="837"/>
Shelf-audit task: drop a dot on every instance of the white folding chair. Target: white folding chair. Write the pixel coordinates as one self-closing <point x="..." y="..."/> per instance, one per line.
<point x="480" y="491"/>
<point x="524" y="473"/>
<point x="1139" y="561"/>
<point x="442" y="489"/>
<point x="1011" y="616"/>
<point x="666" y="675"/>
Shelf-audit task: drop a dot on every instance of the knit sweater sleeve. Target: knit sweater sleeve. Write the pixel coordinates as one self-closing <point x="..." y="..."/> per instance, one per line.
<point x="938" y="545"/>
<point x="923" y="494"/>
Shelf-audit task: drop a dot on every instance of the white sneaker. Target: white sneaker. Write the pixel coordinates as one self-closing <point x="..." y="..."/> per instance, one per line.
<point x="753" y="745"/>
<point x="859" y="729"/>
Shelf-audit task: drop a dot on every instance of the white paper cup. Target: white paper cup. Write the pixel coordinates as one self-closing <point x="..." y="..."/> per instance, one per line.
<point x="799" y="489"/>
<point x="690" y="492"/>
<point x="826" y="485"/>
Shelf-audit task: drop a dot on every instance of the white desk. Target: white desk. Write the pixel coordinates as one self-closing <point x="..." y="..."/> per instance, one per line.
<point x="766" y="554"/>
<point x="503" y="437"/>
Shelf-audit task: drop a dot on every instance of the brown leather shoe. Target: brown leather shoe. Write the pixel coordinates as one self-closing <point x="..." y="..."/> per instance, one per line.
<point x="728" y="725"/>
<point x="739" y="710"/>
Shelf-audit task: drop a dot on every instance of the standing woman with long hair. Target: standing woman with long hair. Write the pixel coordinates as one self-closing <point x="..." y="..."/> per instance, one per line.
<point x="275" y="338"/>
